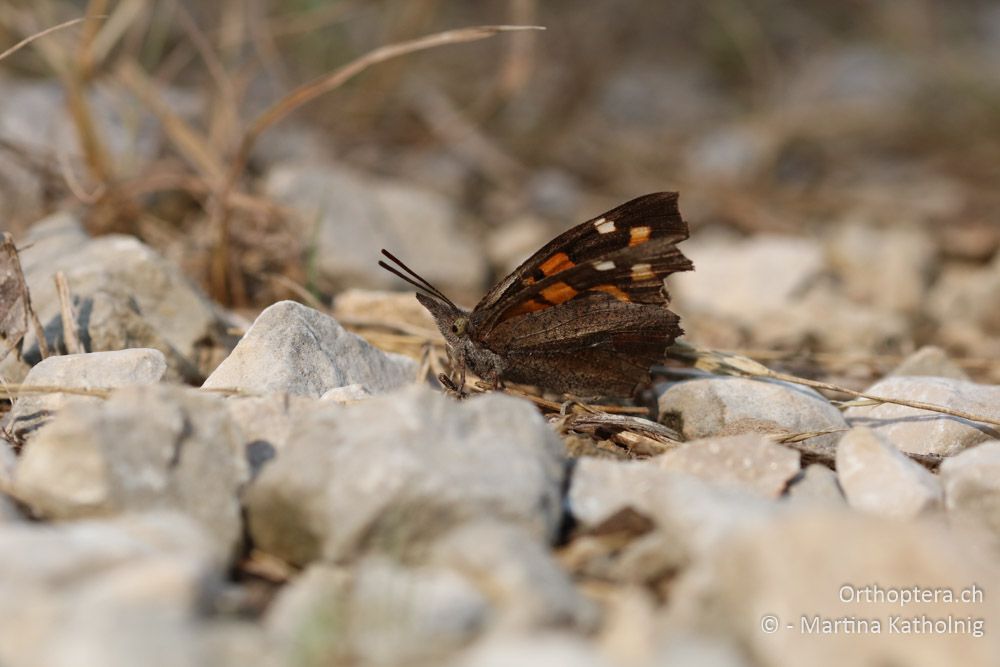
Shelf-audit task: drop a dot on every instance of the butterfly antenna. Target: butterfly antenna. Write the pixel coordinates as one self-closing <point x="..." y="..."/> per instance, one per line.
<point x="420" y="283"/>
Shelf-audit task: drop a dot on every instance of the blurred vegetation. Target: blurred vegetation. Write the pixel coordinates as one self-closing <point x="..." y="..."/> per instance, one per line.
<point x="765" y="114"/>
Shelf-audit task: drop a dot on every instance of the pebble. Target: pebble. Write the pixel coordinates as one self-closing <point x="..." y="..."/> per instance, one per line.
<point x="971" y="481"/>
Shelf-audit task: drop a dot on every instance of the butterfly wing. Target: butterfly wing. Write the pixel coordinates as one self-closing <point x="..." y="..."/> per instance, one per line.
<point x="644" y="220"/>
<point x="591" y="344"/>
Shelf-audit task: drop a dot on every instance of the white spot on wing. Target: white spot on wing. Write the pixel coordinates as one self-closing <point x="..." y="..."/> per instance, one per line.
<point x="642" y="272"/>
<point x="604" y="226"/>
<point x="606" y="265"/>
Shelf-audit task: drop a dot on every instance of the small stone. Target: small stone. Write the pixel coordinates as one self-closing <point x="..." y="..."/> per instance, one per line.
<point x="879" y="479"/>
<point x="104" y="592"/>
<point x="349" y="615"/>
<point x="120" y="268"/>
<point x="268" y="420"/>
<point x="394" y="472"/>
<point x="925" y="432"/>
<point x="692" y="513"/>
<point x="929" y="361"/>
<point x="817" y="485"/>
<point x="888" y="268"/>
<point x="100" y="370"/>
<point x="719" y="406"/>
<point x="971" y="483"/>
<point x="352" y="215"/>
<point x="526" y="585"/>
<point x="532" y="650"/>
<point x="747" y="462"/>
<point x="348" y="394"/>
<point x="293" y="349"/>
<point x="833" y="575"/>
<point x="145" y="448"/>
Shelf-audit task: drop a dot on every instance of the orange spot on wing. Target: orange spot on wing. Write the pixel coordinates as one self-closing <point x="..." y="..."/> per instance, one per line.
<point x="639" y="235"/>
<point x="556" y="263"/>
<point x="529" y="306"/>
<point x="558" y="293"/>
<point x="612" y="290"/>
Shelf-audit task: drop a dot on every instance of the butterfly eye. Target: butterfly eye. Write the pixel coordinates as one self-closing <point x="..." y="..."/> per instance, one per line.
<point x="459" y="325"/>
<point x="454" y="328"/>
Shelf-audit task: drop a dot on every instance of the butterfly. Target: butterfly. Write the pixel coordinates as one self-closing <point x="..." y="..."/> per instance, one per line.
<point x="586" y="314"/>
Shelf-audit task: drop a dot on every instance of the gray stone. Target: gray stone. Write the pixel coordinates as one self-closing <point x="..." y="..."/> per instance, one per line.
<point x="971" y="483"/>
<point x="376" y="613"/>
<point x="348" y="394"/>
<point x="118" y="592"/>
<point x="747" y="462"/>
<point x="532" y="650"/>
<point x="123" y="269"/>
<point x="94" y="370"/>
<point x="718" y="406"/>
<point x="393" y="472"/>
<point x="879" y="479"/>
<point x="352" y="216"/>
<point x="929" y="361"/>
<point x="888" y="268"/>
<point x="692" y="513"/>
<point x="293" y="349"/>
<point x="960" y="302"/>
<point x="818" y="485"/>
<point x="158" y="447"/>
<point x="748" y="281"/>
<point x="805" y="567"/>
<point x="268" y="420"/>
<point x="524" y="582"/>
<point x="925" y="432"/>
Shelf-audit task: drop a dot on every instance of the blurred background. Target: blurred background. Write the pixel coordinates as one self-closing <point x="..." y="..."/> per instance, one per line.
<point x="837" y="162"/>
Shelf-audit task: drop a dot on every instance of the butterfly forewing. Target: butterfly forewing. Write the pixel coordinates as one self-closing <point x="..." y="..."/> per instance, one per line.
<point x="631" y="225"/>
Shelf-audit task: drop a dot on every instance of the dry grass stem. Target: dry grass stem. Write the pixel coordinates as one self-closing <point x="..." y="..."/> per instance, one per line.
<point x="723" y="363"/>
<point x="15" y="264"/>
<point x="71" y="336"/>
<point x="219" y="211"/>
<point x="38" y="35"/>
<point x="13" y="390"/>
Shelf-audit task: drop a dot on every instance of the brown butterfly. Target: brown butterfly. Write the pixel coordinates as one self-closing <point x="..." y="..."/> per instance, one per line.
<point x="586" y="314"/>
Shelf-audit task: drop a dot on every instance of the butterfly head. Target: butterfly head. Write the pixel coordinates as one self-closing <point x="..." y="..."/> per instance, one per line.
<point x="451" y="320"/>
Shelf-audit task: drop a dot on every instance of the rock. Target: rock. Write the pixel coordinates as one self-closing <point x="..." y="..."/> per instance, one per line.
<point x="523" y="581"/>
<point x="770" y="290"/>
<point x="693" y="514"/>
<point x="972" y="485"/>
<point x="396" y="308"/>
<point x="532" y="650"/>
<point x="879" y="479"/>
<point x="924" y="432"/>
<point x="145" y="448"/>
<point x="929" y="361"/>
<point x="715" y="652"/>
<point x="376" y="613"/>
<point x="95" y="370"/>
<point x="509" y="245"/>
<point x="348" y="394"/>
<point x="888" y="268"/>
<point x="355" y="215"/>
<point x="746" y="282"/>
<point x="817" y="486"/>
<point x="732" y="153"/>
<point x="394" y="472"/>
<point x="266" y="422"/>
<point x="293" y="349"/>
<point x="718" y="406"/>
<point x="957" y="302"/>
<point x="125" y="271"/>
<point x="103" y="591"/>
<point x="833" y="571"/>
<point x="746" y="462"/>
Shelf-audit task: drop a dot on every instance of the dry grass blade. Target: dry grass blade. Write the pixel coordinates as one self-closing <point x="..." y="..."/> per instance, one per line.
<point x="306" y="93"/>
<point x="723" y="363"/>
<point x="38" y="35"/>
<point x="191" y="144"/>
<point x="13" y="390"/>
<point x="70" y="335"/>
